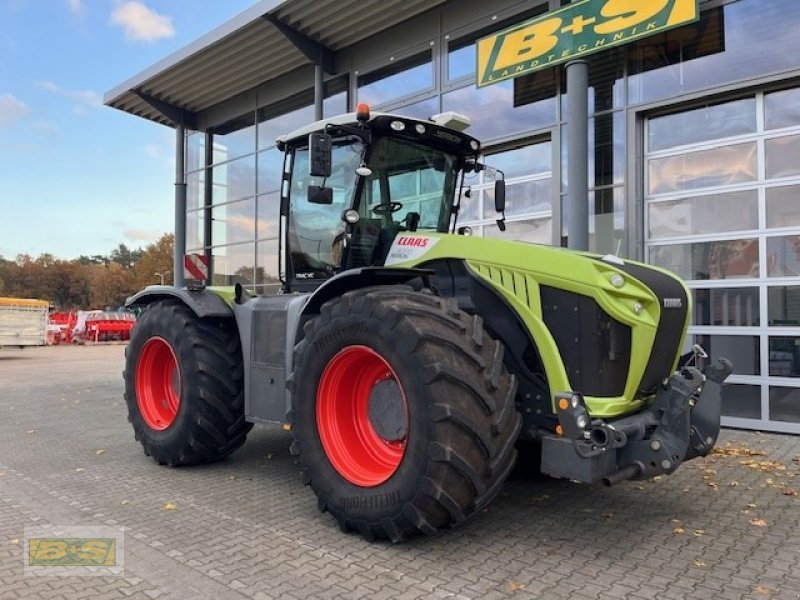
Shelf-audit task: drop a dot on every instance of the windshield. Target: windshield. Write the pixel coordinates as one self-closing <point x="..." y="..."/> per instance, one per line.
<point x="411" y="185"/>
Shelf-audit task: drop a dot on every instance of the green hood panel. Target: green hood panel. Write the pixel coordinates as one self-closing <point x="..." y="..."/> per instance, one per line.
<point x="517" y="270"/>
<point x="226" y="293"/>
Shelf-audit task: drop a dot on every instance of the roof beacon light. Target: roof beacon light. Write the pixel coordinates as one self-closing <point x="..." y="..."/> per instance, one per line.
<point x="452" y="120"/>
<point x="362" y="112"/>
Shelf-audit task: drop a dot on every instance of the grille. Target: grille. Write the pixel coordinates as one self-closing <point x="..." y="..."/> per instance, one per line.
<point x="595" y="348"/>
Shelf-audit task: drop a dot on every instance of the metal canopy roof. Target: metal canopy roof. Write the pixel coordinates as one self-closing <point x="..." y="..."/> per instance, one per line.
<point x="250" y="49"/>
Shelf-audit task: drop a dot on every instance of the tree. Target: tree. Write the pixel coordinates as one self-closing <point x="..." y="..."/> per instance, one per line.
<point x="94" y="281"/>
<point x="156" y="258"/>
<point x="111" y="284"/>
<point x="125" y="257"/>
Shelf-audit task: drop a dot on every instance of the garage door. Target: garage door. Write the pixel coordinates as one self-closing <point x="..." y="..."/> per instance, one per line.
<point x="722" y="209"/>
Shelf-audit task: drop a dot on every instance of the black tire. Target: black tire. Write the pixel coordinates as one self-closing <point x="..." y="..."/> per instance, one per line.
<point x="462" y="422"/>
<point x="208" y="423"/>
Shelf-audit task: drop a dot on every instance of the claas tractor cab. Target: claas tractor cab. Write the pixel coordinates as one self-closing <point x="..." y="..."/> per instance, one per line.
<point x="410" y="359"/>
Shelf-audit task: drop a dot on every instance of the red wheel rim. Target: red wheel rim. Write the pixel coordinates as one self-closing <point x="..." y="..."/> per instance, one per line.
<point x="158" y="384"/>
<point x="354" y="447"/>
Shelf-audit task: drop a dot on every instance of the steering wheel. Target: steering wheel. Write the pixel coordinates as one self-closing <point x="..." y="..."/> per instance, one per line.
<point x="387" y="209"/>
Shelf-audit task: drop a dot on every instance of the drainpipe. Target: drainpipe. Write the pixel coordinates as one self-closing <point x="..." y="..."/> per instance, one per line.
<point x="578" y="154"/>
<point x="180" y="205"/>
<point x="319" y="90"/>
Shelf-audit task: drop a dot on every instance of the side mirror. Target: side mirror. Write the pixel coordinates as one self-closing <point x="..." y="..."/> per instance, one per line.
<point x="320" y="155"/>
<point x="500" y="195"/>
<point x="320" y="195"/>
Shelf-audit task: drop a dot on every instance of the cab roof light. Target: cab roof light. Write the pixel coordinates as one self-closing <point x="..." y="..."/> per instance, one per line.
<point x="362" y="112"/>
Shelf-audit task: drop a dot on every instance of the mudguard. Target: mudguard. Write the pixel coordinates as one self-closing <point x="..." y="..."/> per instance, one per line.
<point x="204" y="303"/>
<point x="353" y="279"/>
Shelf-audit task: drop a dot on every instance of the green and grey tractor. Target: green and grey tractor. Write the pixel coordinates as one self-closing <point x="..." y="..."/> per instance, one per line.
<point x="411" y="359"/>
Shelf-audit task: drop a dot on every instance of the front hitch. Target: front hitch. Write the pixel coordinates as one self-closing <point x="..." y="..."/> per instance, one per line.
<point x="704" y="423"/>
<point x="681" y="423"/>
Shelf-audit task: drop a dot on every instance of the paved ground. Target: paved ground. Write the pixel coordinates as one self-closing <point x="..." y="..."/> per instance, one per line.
<point x="725" y="527"/>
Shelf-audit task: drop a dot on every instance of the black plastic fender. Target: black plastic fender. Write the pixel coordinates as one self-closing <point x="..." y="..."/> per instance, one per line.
<point x="353" y="279"/>
<point x="202" y="302"/>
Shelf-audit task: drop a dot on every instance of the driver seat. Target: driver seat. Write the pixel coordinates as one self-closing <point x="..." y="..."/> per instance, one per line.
<point x="387" y="235"/>
<point x="362" y="244"/>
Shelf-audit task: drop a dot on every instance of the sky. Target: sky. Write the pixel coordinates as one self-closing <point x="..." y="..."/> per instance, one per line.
<point x="76" y="177"/>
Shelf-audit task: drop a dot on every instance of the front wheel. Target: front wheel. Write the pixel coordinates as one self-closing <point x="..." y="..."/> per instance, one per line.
<point x="183" y="385"/>
<point x="403" y="412"/>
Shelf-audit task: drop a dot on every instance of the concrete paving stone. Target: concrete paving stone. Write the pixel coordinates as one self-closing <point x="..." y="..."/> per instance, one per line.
<point x="260" y="535"/>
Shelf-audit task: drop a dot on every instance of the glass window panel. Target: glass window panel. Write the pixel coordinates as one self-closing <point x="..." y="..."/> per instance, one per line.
<point x="424" y="109"/>
<point x="784" y="356"/>
<point x="728" y="44"/>
<point x="607" y="149"/>
<point x="235" y="144"/>
<point x="783" y="256"/>
<point x="271" y="127"/>
<point x="506" y="108"/>
<point x="267" y="271"/>
<point x="471" y="208"/>
<point x="234" y="180"/>
<point x="461" y="55"/>
<point x="234" y="264"/>
<point x="521" y="198"/>
<point x="782" y="156"/>
<point x="195" y="228"/>
<point x="270" y="170"/>
<point x="234" y="222"/>
<point x="195" y="189"/>
<point x="334" y="105"/>
<point x="726" y="307"/>
<point x="538" y="231"/>
<point x="783" y="206"/>
<point x="704" y="214"/>
<point x="743" y="351"/>
<point x="402" y="185"/>
<point x="402" y="78"/>
<point x="725" y="259"/>
<point x="782" y="108"/>
<point x="607" y="221"/>
<point x="431" y="181"/>
<point x="461" y="62"/>
<point x="716" y="167"/>
<point x="702" y="124"/>
<point x="742" y="401"/>
<point x="219" y="154"/>
<point x="783" y="305"/>
<point x="532" y="159"/>
<point x="268" y="212"/>
<point x="195" y="151"/>
<point x="784" y="404"/>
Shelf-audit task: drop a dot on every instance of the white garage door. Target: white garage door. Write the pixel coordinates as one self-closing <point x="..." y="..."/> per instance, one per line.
<point x="722" y="200"/>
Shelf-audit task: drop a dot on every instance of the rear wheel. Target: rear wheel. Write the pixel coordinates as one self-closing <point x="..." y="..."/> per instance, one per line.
<point x="403" y="412"/>
<point x="183" y="385"/>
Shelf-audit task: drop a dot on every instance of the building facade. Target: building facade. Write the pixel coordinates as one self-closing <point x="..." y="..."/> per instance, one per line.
<point x="694" y="162"/>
